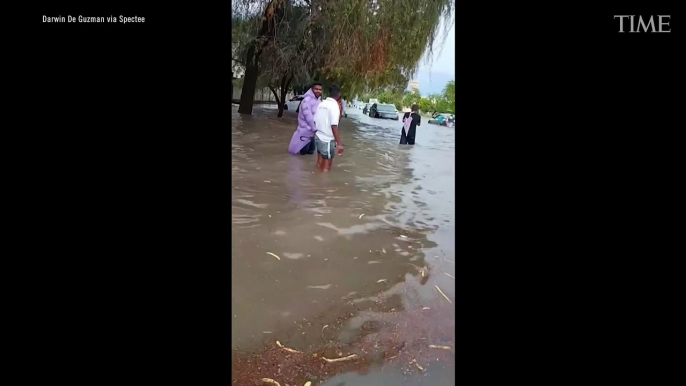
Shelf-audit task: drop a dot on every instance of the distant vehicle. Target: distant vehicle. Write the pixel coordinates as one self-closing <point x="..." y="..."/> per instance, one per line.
<point x="380" y="110"/>
<point x="372" y="101"/>
<point x="294" y="103"/>
<point x="442" y="119"/>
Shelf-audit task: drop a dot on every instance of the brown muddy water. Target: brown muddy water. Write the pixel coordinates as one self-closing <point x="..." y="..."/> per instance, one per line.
<point x="362" y="253"/>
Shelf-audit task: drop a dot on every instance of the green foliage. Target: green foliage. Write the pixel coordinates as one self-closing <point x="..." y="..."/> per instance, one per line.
<point x="361" y="45"/>
<point x="444" y="102"/>
<point x="354" y="42"/>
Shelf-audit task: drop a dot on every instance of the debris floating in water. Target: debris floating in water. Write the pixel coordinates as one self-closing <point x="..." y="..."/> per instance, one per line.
<point x="403" y="236"/>
<point x="361" y="215"/>
<point x="266" y="332"/>
<point x="449" y="275"/>
<point x="441" y="347"/>
<point x="277" y="257"/>
<point x="294" y="256"/>
<point x="269" y="182"/>
<point x="422" y="271"/>
<point x="325" y="326"/>
<point x="320" y="286"/>
<point x="269" y="380"/>
<point x="426" y="308"/>
<point x="287" y="349"/>
<point x="308" y="383"/>
<point x="417" y="364"/>
<point x="381" y="280"/>
<point x="349" y="357"/>
<point x="383" y="250"/>
<point x="446" y="298"/>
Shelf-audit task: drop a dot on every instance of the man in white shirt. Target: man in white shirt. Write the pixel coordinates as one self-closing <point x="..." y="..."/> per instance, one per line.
<point x="327" y="138"/>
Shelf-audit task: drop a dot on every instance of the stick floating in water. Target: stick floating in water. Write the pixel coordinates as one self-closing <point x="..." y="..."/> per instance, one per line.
<point x="325" y="326"/>
<point x="361" y="215"/>
<point x="277" y="257"/>
<point x="349" y="357"/>
<point x="287" y="349"/>
<point x="381" y="280"/>
<point x="446" y="298"/>
<point x="449" y="275"/>
<point x="269" y="380"/>
<point x="441" y="347"/>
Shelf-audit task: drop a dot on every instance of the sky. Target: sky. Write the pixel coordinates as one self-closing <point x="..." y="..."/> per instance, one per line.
<point x="434" y="75"/>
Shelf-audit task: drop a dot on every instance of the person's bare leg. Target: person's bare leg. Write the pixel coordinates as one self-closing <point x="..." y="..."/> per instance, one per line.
<point x="320" y="161"/>
<point x="327" y="164"/>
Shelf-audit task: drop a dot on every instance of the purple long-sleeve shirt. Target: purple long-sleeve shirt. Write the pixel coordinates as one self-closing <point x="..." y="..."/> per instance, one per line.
<point x="306" y="128"/>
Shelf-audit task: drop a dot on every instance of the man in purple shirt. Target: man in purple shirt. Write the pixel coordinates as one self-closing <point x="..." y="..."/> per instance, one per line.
<point x="302" y="141"/>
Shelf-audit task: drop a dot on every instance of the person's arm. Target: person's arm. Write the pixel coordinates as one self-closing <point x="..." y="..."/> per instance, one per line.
<point x="308" y="114"/>
<point x="334" y="119"/>
<point x="419" y="120"/>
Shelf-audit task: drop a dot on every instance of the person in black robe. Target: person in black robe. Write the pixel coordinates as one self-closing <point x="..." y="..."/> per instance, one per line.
<point x="407" y="138"/>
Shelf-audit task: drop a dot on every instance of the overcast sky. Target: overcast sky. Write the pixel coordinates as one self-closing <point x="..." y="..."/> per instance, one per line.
<point x="434" y="75"/>
<point x="444" y="54"/>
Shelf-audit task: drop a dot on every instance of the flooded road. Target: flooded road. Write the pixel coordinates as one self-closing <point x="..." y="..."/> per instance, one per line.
<point x="356" y="264"/>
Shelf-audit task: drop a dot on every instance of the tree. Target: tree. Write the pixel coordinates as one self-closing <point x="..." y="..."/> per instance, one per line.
<point x="411" y="98"/>
<point x="449" y="95"/>
<point x="373" y="41"/>
<point x="359" y="44"/>
<point x="259" y="21"/>
<point x="287" y="58"/>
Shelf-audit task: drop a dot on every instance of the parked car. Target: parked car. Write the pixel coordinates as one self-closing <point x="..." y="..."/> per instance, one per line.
<point x="380" y="110"/>
<point x="294" y="103"/>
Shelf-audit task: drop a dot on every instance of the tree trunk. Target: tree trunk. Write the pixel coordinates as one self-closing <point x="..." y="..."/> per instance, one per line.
<point x="285" y="83"/>
<point x="279" y="102"/>
<point x="283" y="100"/>
<point x="252" y="58"/>
<point x="249" y="82"/>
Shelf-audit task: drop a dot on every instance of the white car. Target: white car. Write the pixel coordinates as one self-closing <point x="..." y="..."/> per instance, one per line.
<point x="293" y="104"/>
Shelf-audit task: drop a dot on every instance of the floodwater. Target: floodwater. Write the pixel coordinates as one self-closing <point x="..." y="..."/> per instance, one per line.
<point x="362" y="254"/>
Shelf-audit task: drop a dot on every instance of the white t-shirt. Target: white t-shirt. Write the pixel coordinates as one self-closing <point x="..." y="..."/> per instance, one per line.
<point x="327" y="114"/>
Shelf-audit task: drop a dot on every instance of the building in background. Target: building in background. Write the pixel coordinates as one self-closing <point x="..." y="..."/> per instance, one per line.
<point x="414" y="85"/>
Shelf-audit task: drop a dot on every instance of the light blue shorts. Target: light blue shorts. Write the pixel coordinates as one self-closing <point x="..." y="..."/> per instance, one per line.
<point x="326" y="149"/>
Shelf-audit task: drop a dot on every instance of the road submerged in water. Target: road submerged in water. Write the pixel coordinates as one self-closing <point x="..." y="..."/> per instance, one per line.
<point x="346" y="277"/>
